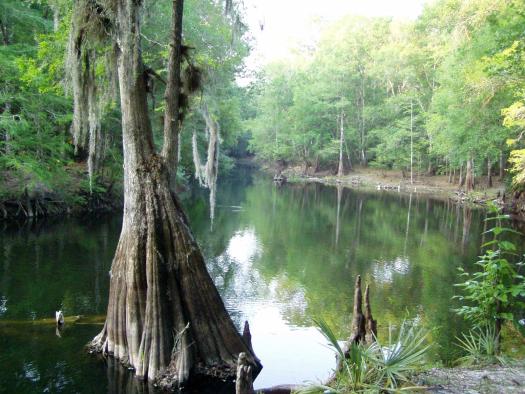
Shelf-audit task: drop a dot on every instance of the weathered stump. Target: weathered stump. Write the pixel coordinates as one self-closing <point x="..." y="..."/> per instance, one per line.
<point x="364" y="327"/>
<point x="370" y="323"/>
<point x="244" y="382"/>
<point x="358" y="319"/>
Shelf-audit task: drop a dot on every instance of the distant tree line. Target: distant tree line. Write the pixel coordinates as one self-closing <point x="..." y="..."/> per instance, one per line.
<point x="441" y="95"/>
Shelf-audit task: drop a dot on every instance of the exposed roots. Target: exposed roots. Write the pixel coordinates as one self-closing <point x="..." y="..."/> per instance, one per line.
<point x="165" y="317"/>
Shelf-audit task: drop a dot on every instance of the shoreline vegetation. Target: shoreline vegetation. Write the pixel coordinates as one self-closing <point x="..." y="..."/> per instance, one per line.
<point x="435" y="186"/>
<point x="107" y="198"/>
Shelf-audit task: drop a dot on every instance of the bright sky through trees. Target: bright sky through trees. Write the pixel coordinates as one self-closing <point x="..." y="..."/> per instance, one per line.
<point x="289" y="22"/>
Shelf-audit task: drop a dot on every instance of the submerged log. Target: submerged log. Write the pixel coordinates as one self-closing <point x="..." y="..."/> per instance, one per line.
<point x="79" y="319"/>
<point x="244" y="382"/>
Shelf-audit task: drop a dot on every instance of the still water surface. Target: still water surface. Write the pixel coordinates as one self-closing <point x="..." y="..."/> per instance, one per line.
<point x="279" y="256"/>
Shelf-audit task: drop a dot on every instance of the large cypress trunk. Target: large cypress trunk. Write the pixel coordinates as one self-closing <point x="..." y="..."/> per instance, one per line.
<point x="165" y="317"/>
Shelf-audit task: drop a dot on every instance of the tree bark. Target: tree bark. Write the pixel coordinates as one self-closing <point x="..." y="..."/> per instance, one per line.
<point x="358" y="319"/>
<point x="165" y="317"/>
<point x="370" y="322"/>
<point x="172" y="94"/>
<point x="461" y="180"/>
<point x="489" y="173"/>
<point x="364" y="160"/>
<point x="56" y="17"/>
<point x="469" y="176"/>
<point x="244" y="381"/>
<point x="411" y="142"/>
<point x="340" y="170"/>
<point x="5" y="33"/>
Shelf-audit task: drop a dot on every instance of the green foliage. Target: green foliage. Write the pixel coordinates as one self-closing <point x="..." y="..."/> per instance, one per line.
<point x="497" y="289"/>
<point x="517" y="162"/>
<point x="376" y="367"/>
<point x="36" y="106"/>
<point x="430" y="91"/>
<point x="480" y="346"/>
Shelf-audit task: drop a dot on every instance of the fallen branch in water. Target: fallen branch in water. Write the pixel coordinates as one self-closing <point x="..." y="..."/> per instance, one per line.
<point x="79" y="319"/>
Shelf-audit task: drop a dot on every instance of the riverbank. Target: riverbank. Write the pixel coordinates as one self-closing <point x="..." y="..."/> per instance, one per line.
<point x="30" y="205"/>
<point x="384" y="180"/>
<point x="490" y="379"/>
<point x="487" y="380"/>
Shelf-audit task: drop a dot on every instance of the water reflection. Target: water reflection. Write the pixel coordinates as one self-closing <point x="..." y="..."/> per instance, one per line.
<point x="384" y="271"/>
<point x="279" y="257"/>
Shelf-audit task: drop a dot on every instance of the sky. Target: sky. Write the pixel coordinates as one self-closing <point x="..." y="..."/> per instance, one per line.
<point x="288" y="22"/>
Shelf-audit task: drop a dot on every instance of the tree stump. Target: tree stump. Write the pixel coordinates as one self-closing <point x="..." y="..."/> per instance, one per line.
<point x="247" y="335"/>
<point x="370" y="323"/>
<point x="244" y="383"/>
<point x="364" y="327"/>
<point x="358" y="319"/>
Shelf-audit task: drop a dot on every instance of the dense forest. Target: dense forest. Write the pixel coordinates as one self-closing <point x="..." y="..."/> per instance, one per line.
<point x="439" y="95"/>
<point x="59" y="110"/>
<point x="442" y="94"/>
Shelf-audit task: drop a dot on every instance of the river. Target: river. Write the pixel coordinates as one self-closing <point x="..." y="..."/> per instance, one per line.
<point x="280" y="257"/>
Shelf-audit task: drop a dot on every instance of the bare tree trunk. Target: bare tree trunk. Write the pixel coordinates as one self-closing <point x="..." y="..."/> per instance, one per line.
<point x="172" y="94"/>
<point x="411" y="142"/>
<point x="5" y="32"/>
<point x="165" y="317"/>
<point x="430" y="169"/>
<point x="461" y="180"/>
<point x="469" y="176"/>
<point x="56" y="17"/>
<point x="340" y="171"/>
<point x="362" y="119"/>
<point x="489" y="173"/>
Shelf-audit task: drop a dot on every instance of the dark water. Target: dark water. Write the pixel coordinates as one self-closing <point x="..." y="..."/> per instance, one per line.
<point x="279" y="256"/>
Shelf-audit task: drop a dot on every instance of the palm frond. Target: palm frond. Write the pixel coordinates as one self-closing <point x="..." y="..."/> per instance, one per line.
<point x="329" y="335"/>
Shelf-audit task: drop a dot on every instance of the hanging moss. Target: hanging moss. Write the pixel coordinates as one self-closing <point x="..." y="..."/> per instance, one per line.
<point x="90" y="29"/>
